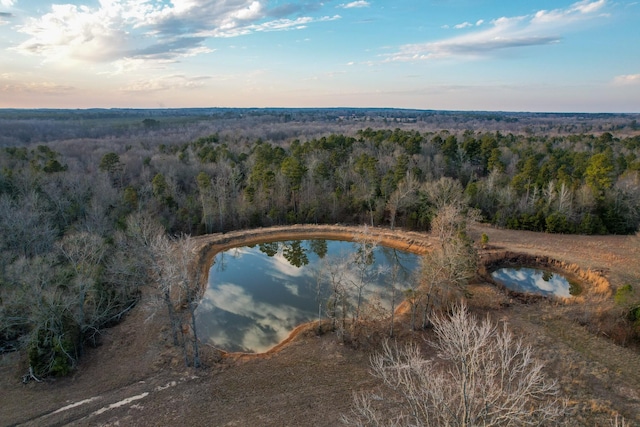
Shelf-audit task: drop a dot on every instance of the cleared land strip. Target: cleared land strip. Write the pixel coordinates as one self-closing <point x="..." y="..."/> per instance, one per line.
<point x="86" y="411"/>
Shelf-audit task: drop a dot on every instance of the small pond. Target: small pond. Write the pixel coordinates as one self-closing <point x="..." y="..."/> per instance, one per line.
<point x="533" y="280"/>
<point x="258" y="294"/>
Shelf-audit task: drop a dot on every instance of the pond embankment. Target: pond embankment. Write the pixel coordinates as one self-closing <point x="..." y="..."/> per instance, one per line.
<point x="592" y="282"/>
<point x="209" y="245"/>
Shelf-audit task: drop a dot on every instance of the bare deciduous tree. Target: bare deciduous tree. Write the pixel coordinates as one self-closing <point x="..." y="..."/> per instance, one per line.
<point x="177" y="279"/>
<point x="565" y="200"/>
<point x="84" y="252"/>
<point x="401" y="196"/>
<point x="412" y="296"/>
<point x="25" y="225"/>
<point x="445" y="271"/>
<point x="206" y="199"/>
<point x="445" y="192"/>
<point x="482" y="375"/>
<point x="448" y="267"/>
<point x="393" y="296"/>
<point x="335" y="274"/>
<point x="362" y="261"/>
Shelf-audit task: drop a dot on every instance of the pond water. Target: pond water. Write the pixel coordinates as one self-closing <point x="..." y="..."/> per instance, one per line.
<point x="533" y="280"/>
<point x="258" y="294"/>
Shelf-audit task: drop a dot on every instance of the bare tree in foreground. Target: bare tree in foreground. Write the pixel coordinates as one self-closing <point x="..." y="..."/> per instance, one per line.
<point x="482" y="375"/>
<point x="447" y="269"/>
<point x="177" y="278"/>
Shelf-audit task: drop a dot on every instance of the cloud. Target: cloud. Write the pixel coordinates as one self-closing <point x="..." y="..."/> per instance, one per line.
<point x="5" y="15"/>
<point x="171" y="49"/>
<point x="72" y="32"/>
<point x="118" y="29"/>
<point x="542" y="28"/>
<point x="44" y="88"/>
<point x="289" y="9"/>
<point x="129" y="65"/>
<point x="7" y="3"/>
<point x="164" y="83"/>
<point x="354" y="4"/>
<point x="628" y="79"/>
<point x="463" y="25"/>
<point x="574" y="12"/>
<point x="275" y="25"/>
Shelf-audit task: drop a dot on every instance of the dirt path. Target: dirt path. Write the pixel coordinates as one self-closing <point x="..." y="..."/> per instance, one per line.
<point x="91" y="409"/>
<point x="137" y="378"/>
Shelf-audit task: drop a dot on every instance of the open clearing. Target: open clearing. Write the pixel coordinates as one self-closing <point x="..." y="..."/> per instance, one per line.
<point x="137" y="378"/>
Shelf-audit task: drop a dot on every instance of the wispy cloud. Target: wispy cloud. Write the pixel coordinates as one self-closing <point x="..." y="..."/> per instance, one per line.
<point x="354" y="4"/>
<point x="628" y="79"/>
<point x="3" y="16"/>
<point x="463" y="25"/>
<point x="576" y="11"/>
<point x="119" y="29"/>
<point x="44" y="88"/>
<point x="542" y="28"/>
<point x="7" y="3"/>
<point x="275" y="25"/>
<point x="163" y="83"/>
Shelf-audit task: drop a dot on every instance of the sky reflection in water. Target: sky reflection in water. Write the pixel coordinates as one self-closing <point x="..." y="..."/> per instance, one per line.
<point x="254" y="301"/>
<point x="533" y="280"/>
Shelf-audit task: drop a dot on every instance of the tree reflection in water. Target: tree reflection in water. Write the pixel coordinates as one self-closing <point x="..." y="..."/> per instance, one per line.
<point x="258" y="294"/>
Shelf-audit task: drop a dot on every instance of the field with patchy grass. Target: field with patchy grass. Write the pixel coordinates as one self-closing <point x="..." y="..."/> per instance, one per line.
<point x="137" y="378"/>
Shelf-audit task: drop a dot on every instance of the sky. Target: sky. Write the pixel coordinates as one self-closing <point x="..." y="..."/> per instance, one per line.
<point x="508" y="55"/>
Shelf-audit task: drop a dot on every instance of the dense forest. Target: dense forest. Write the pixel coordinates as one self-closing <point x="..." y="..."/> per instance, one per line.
<point x="77" y="189"/>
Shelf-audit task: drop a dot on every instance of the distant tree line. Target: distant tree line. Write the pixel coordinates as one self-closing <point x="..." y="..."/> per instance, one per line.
<point x="154" y="126"/>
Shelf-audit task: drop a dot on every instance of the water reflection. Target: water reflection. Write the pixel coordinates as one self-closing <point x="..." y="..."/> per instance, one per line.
<point x="535" y="281"/>
<point x="258" y="295"/>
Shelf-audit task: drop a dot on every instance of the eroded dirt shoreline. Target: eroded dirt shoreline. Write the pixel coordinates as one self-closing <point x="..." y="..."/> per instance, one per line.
<point x="209" y="245"/>
<point x="311" y="379"/>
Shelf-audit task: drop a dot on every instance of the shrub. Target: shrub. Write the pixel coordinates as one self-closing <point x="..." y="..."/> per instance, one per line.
<point x="557" y="223"/>
<point x="622" y="294"/>
<point x="51" y="353"/>
<point x="483" y="376"/>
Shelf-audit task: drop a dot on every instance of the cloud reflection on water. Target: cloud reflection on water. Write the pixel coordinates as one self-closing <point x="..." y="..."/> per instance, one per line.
<point x="240" y="322"/>
<point x="532" y="280"/>
<point x="253" y="301"/>
<point x="280" y="263"/>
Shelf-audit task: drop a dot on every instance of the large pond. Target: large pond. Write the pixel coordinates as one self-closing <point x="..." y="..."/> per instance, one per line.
<point x="258" y="294"/>
<point x="533" y="280"/>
